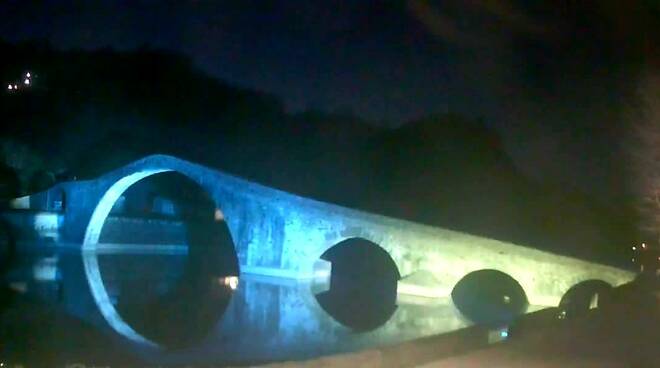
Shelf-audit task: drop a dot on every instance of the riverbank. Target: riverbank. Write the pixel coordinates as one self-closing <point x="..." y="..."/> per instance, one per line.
<point x="622" y="332"/>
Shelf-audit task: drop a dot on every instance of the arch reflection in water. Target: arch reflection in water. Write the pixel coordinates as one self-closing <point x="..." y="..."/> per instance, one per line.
<point x="489" y="297"/>
<point x="362" y="294"/>
<point x="168" y="252"/>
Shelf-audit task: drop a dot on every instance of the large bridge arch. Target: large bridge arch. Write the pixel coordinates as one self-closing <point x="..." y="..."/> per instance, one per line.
<point x="95" y="226"/>
<point x="91" y="201"/>
<point x="107" y="201"/>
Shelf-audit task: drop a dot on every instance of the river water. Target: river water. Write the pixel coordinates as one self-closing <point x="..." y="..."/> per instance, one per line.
<point x="181" y="310"/>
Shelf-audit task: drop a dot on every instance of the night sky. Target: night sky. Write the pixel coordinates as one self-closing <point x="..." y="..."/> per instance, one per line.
<point x="548" y="75"/>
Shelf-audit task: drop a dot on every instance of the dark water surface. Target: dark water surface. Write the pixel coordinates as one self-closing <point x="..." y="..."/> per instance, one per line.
<point x="177" y="309"/>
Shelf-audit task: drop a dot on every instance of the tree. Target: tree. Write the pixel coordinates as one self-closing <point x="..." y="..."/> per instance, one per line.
<point x="646" y="153"/>
<point x="24" y="161"/>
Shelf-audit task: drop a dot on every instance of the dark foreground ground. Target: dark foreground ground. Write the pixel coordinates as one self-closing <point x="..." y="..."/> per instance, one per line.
<point x="624" y="331"/>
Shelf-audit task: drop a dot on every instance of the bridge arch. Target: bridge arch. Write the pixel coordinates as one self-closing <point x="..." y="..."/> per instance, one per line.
<point x="363" y="284"/>
<point x="583" y="296"/>
<point x="382" y="241"/>
<point x="489" y="296"/>
<point x="95" y="225"/>
<point x="357" y="249"/>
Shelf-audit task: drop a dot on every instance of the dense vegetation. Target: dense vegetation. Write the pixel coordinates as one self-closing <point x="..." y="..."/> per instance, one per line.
<point x="87" y="112"/>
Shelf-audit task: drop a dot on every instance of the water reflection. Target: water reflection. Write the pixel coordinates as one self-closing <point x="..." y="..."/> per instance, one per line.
<point x="166" y="295"/>
<point x="169" y="299"/>
<point x="360" y="307"/>
<point x="197" y="318"/>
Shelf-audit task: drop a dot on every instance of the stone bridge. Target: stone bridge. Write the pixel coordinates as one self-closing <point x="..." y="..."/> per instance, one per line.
<point x="279" y="234"/>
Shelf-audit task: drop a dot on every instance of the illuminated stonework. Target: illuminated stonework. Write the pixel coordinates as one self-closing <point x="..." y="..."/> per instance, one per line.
<point x="279" y="234"/>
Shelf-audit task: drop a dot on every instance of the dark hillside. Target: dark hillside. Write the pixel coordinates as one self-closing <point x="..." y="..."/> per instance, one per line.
<point x="87" y="112"/>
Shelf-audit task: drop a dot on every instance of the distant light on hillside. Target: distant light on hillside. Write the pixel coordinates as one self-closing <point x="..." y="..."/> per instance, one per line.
<point x="27" y="81"/>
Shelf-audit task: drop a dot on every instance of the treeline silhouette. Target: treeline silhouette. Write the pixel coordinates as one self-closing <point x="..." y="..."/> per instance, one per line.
<point x="88" y="112"/>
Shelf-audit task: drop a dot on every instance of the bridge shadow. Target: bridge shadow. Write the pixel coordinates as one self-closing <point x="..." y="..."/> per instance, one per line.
<point x="362" y="294"/>
<point x="166" y="284"/>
